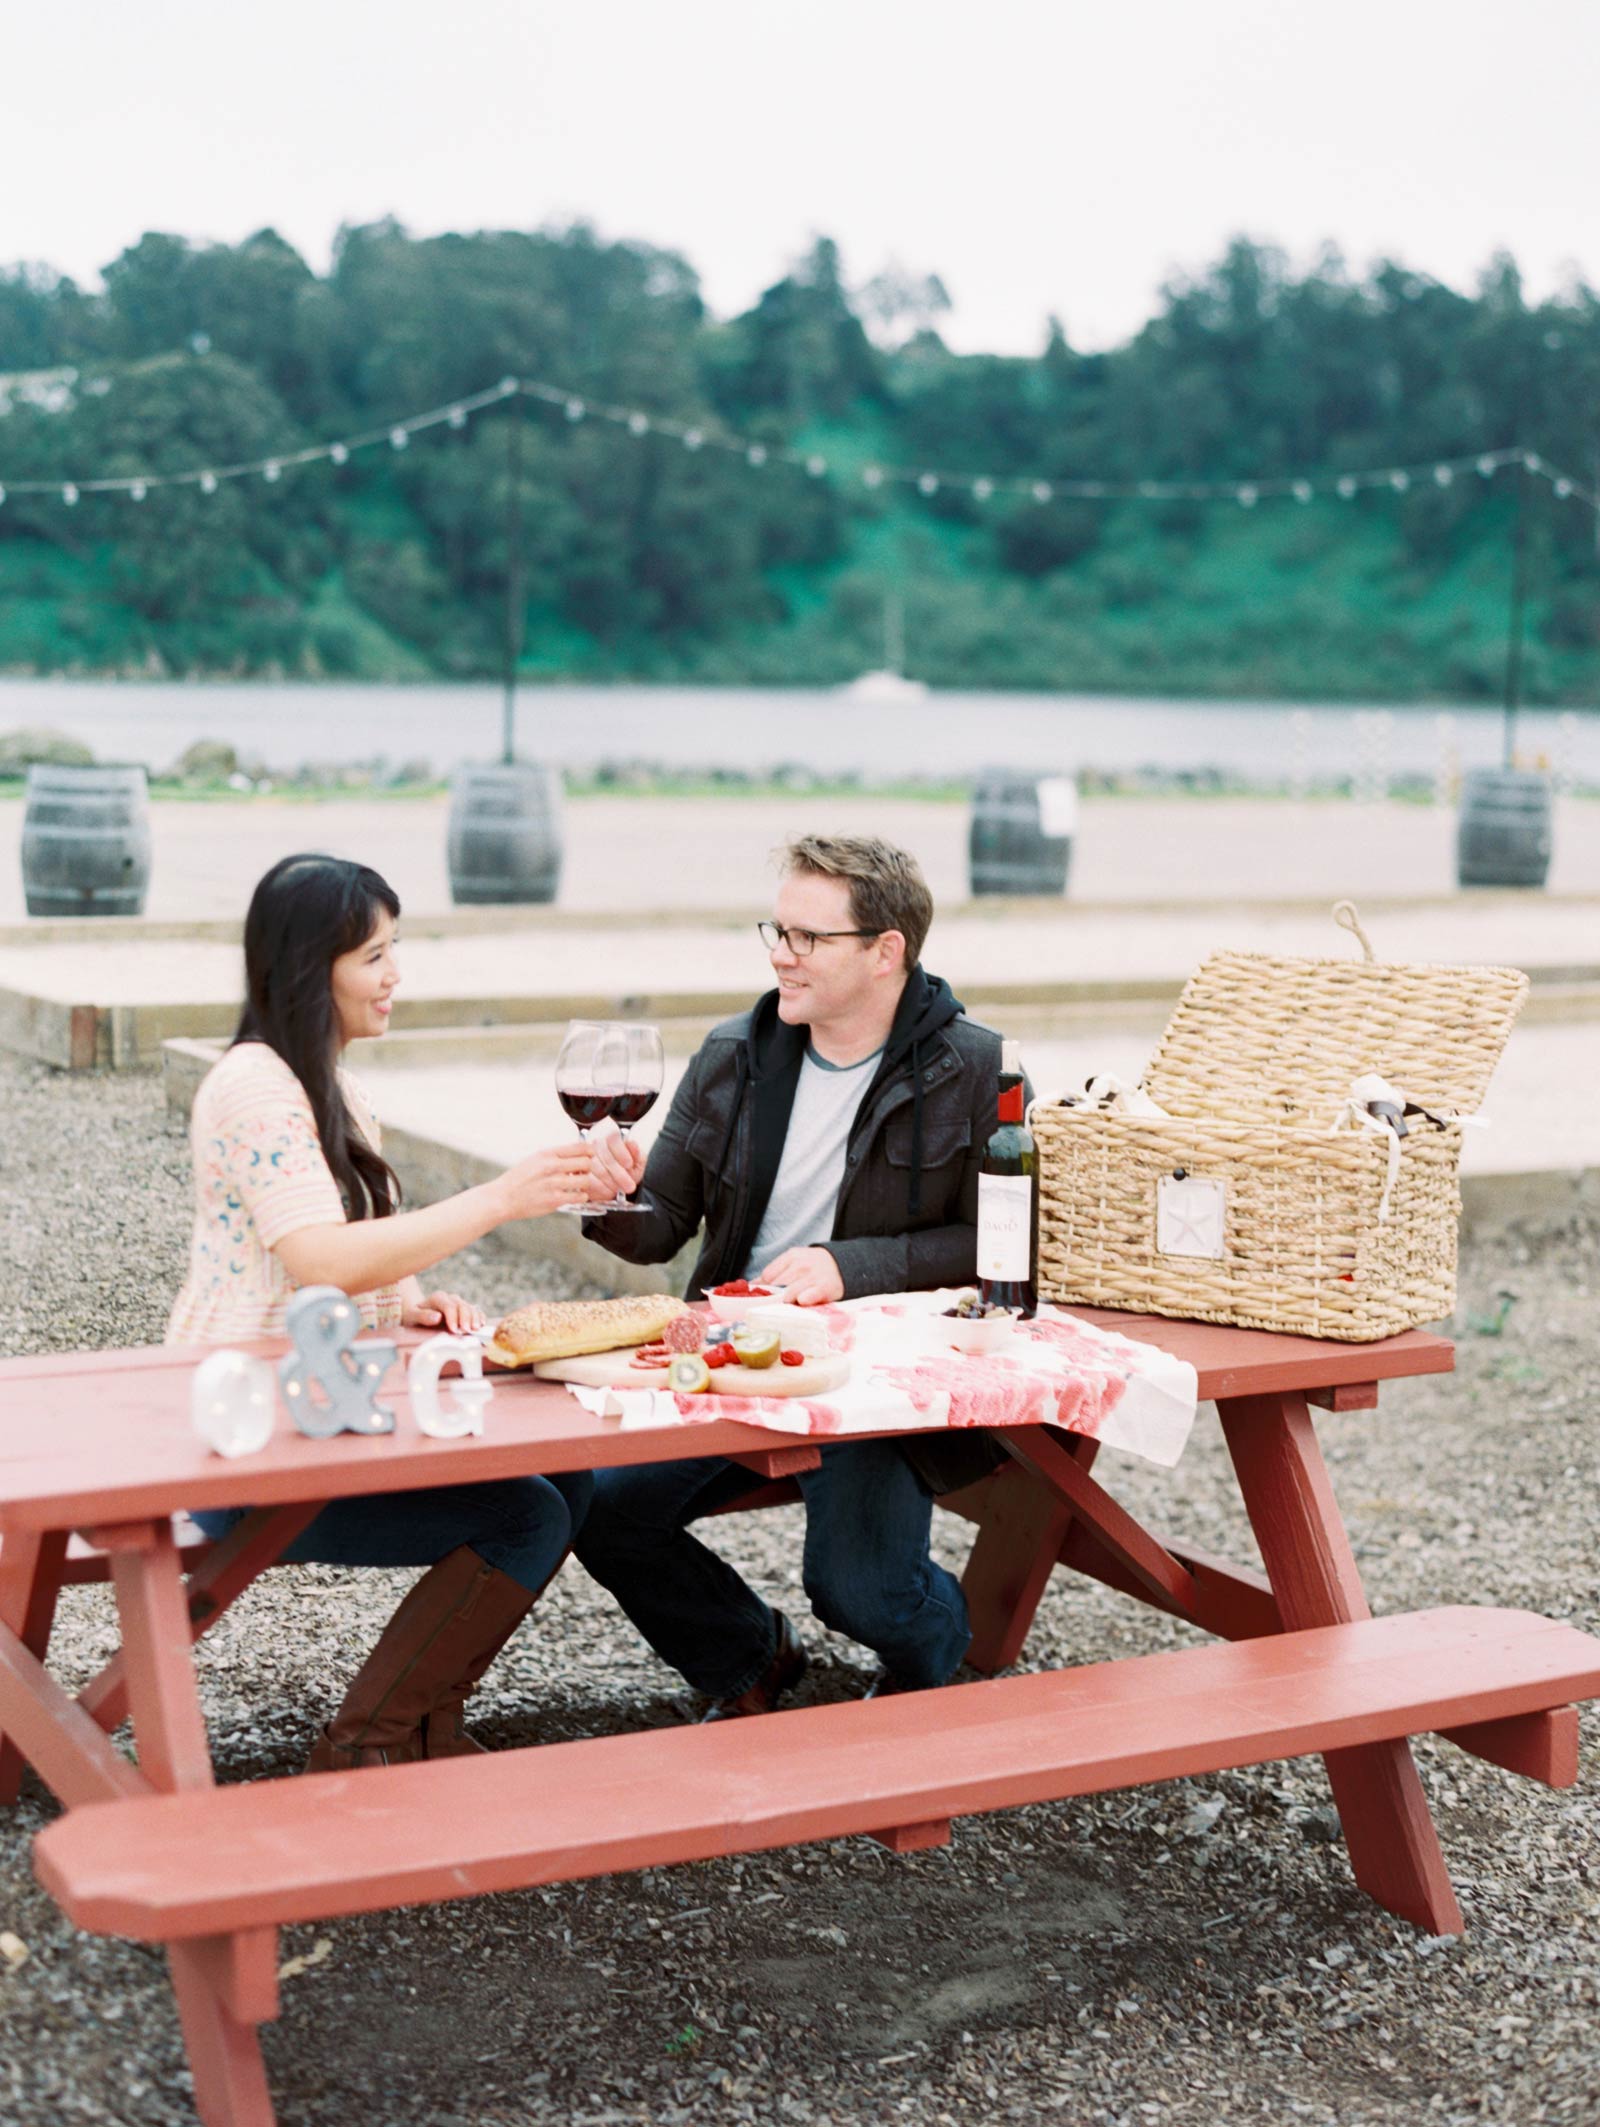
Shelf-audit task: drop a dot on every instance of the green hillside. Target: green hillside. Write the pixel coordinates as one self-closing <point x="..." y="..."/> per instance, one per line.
<point x="643" y="559"/>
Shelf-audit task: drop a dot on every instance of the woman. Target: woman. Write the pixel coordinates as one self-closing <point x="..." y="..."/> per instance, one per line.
<point x="292" y="1189"/>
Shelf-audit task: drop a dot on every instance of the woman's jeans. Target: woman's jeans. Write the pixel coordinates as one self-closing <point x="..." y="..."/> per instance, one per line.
<point x="522" y="1525"/>
<point x="866" y="1570"/>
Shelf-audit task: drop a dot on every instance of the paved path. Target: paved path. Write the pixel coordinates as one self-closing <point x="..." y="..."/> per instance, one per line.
<point x="1541" y="1108"/>
<point x="648" y="854"/>
<point x="975" y="953"/>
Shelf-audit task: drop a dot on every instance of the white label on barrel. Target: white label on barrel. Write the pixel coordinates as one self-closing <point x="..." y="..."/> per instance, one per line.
<point x="1005" y="1225"/>
<point x="1189" y="1217"/>
<point x="1058" y="807"/>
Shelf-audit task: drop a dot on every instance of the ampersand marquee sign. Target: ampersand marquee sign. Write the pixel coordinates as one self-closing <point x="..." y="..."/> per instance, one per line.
<point x="322" y="1324"/>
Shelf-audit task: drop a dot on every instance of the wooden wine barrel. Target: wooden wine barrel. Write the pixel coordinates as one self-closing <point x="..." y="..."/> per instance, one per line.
<point x="1020" y="840"/>
<point x="1503" y="831"/>
<point x="86" y="841"/>
<point x="505" y="838"/>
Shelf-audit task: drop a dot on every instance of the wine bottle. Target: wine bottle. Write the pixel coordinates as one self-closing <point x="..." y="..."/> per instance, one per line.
<point x="1007" y="1226"/>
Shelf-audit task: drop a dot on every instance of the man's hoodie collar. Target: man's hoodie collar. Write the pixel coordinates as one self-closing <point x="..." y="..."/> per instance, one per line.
<point x="927" y="1003"/>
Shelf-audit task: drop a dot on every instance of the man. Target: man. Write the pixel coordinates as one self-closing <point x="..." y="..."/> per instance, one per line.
<point x="830" y="1140"/>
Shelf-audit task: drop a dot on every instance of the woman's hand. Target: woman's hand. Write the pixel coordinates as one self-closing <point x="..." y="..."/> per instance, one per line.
<point x="811" y="1275"/>
<point x="545" y="1181"/>
<point x="441" y="1310"/>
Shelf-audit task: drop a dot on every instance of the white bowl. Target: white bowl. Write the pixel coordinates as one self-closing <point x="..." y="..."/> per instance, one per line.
<point x="972" y="1334"/>
<point x="739" y="1307"/>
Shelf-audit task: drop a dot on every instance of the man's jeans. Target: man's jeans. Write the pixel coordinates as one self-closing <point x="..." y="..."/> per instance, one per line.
<point x="867" y="1572"/>
<point x="522" y="1525"/>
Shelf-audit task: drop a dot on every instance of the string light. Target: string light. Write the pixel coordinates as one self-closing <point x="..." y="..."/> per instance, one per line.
<point x="980" y="486"/>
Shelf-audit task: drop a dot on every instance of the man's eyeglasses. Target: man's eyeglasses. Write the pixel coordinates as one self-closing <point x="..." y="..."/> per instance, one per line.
<point x="800" y="943"/>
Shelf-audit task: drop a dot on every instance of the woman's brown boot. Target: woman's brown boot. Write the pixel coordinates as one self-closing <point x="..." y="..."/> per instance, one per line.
<point x="449" y="1628"/>
<point x="444" y="1731"/>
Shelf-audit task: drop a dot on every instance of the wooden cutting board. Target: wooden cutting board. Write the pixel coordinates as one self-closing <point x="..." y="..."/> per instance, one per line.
<point x="615" y="1370"/>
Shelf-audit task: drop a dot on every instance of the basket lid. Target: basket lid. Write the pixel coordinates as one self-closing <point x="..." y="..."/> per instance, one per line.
<point x="1262" y="1035"/>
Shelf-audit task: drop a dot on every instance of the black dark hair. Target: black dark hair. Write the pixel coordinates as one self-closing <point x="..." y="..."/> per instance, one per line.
<point x="304" y="913"/>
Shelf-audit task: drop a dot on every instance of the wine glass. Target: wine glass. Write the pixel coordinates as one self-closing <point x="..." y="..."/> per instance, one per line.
<point x="643" y="1071"/>
<point x="591" y="1072"/>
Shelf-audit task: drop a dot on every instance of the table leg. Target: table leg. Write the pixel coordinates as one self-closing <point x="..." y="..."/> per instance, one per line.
<point x="1024" y="1524"/>
<point x="1393" y="1845"/>
<point x="169" y="1730"/>
<point x="30" y="1578"/>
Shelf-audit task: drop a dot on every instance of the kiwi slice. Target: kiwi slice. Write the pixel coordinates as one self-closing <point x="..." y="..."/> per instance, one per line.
<point x="757" y="1347"/>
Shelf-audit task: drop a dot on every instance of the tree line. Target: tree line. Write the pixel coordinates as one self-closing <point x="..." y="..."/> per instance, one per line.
<point x="640" y="558"/>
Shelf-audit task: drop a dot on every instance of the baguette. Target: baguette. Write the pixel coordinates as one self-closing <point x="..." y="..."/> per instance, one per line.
<point x="566" y="1329"/>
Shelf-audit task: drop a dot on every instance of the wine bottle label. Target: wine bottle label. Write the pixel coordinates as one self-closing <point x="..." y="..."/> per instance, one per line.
<point x="1005" y="1226"/>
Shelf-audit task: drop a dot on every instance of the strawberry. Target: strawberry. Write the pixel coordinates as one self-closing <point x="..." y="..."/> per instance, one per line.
<point x="719" y="1355"/>
<point x="791" y="1358"/>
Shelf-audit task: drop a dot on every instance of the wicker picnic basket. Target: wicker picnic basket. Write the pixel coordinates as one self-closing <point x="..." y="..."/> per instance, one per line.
<point x="1312" y="1229"/>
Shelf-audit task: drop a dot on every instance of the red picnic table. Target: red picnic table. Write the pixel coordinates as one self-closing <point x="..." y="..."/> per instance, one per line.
<point x="97" y="1457"/>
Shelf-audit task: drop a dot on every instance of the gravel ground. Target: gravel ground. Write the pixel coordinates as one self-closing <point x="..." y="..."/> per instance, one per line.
<point x="1190" y="1953"/>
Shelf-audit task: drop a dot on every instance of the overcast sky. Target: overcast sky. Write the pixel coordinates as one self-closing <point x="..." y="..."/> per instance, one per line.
<point x="1040" y="157"/>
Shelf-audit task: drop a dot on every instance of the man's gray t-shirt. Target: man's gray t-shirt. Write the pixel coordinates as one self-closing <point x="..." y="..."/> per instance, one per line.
<point x="805" y="1193"/>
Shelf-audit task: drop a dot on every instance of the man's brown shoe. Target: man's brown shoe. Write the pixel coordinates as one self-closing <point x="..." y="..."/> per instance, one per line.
<point x="782" y="1673"/>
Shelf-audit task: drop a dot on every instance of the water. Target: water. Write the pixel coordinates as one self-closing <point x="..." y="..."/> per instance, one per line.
<point x="949" y="734"/>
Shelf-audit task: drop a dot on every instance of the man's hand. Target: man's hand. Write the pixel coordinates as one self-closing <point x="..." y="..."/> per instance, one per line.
<point x="618" y="1160"/>
<point x="441" y="1310"/>
<point x="811" y="1275"/>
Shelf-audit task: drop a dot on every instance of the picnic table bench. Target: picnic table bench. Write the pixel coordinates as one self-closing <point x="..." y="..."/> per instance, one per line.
<point x="97" y="1458"/>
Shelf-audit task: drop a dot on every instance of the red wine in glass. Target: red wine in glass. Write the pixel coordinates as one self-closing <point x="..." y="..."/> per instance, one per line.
<point x="644" y="1068"/>
<point x="591" y="1071"/>
<point x="587" y="1109"/>
<point x="632" y="1107"/>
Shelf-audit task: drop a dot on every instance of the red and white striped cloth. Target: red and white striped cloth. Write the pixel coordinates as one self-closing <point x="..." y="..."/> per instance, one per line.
<point x="1054" y="1370"/>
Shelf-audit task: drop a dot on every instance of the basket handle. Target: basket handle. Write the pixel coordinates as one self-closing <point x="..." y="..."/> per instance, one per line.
<point x="1347" y="918"/>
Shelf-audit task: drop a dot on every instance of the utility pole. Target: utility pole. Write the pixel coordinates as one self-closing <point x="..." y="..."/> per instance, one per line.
<point x="512" y="646"/>
<point x="1519" y="594"/>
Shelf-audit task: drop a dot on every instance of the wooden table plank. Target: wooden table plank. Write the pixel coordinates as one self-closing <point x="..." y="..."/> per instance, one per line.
<point x="333" y="1843"/>
<point x="109" y="1439"/>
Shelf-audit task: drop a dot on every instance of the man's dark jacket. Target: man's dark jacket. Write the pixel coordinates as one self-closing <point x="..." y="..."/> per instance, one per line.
<point x="907" y="1213"/>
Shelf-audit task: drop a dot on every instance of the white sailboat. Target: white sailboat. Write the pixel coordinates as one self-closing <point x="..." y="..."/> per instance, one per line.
<point x="888" y="688"/>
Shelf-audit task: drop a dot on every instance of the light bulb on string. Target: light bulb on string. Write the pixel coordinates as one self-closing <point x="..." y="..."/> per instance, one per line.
<point x="69" y="494"/>
<point x="458" y="417"/>
<point x="1042" y="491"/>
<point x="507" y="387"/>
<point x="1247" y="498"/>
<point x="982" y="490"/>
<point x="2" y="497"/>
<point x="693" y="438"/>
<point x="1487" y="465"/>
<point x="928" y="484"/>
<point x="638" y="424"/>
<point x="1303" y="491"/>
<point x="1347" y="486"/>
<point x="1443" y="475"/>
<point x="272" y="470"/>
<point x="576" y="409"/>
<point x="208" y="483"/>
<point x="872" y="476"/>
<point x="338" y="452"/>
<point x="816" y="467"/>
<point x="1532" y="462"/>
<point x="756" y="454"/>
<point x="138" y="491"/>
<point x="398" y="438"/>
<point x="1399" y="481"/>
<point x="1149" y="491"/>
<point x="1563" y="489"/>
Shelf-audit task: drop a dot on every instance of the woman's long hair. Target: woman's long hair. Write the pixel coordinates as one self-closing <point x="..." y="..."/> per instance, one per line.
<point x="303" y="914"/>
